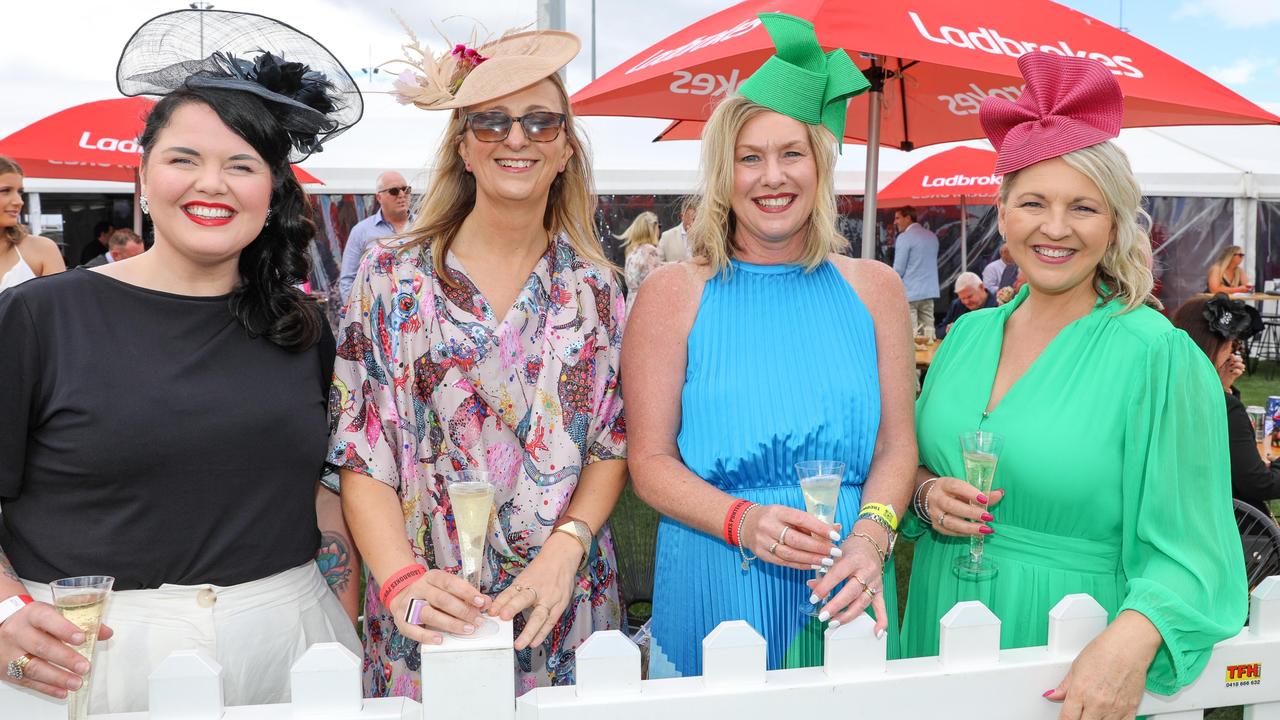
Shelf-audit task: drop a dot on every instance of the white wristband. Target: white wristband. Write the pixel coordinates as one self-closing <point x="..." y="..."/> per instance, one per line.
<point x="13" y="604"/>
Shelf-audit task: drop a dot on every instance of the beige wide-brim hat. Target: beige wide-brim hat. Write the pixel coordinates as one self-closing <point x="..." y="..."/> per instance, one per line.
<point x="512" y="62"/>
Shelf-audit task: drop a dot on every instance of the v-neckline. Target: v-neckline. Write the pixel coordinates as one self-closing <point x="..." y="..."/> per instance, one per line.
<point x="491" y="319"/>
<point x="1013" y="305"/>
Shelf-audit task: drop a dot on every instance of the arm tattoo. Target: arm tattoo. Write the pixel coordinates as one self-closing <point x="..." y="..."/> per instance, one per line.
<point x="6" y="567"/>
<point x="334" y="561"/>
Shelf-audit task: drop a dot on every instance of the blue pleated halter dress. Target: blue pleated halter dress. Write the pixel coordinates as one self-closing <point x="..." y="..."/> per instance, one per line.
<point x="781" y="368"/>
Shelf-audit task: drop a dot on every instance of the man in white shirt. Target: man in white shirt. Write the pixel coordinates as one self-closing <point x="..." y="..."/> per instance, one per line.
<point x="123" y="243"/>
<point x="392" y="218"/>
<point x="1001" y="272"/>
<point x="674" y="243"/>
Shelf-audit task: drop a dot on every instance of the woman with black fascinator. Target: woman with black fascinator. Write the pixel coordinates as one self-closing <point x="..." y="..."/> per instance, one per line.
<point x="189" y="469"/>
<point x="1218" y="325"/>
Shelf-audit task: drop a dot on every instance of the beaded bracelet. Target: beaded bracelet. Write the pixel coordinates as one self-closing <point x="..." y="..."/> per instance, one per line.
<point x="742" y="548"/>
<point x="920" y="500"/>
<point x="398" y="581"/>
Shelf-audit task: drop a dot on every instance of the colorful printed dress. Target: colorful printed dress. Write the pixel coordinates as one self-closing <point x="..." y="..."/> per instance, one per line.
<point x="429" y="380"/>
<point x="782" y="367"/>
<point x="1118" y="479"/>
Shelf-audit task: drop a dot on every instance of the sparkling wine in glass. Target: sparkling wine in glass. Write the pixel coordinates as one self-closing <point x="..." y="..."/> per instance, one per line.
<point x="981" y="450"/>
<point x="471" y="494"/>
<point x="820" y="485"/>
<point x="82" y="601"/>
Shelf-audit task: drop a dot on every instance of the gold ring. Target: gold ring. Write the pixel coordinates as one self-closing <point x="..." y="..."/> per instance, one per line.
<point x="860" y="582"/>
<point x="18" y="666"/>
<point x="521" y="588"/>
<point x="782" y="536"/>
<point x="772" y="548"/>
<point x="540" y="606"/>
<point x="868" y="593"/>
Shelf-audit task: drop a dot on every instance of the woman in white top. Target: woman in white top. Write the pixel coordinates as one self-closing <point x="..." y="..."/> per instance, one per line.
<point x="23" y="256"/>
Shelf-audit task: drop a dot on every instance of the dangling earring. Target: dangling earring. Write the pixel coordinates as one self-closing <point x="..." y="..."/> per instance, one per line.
<point x="268" y="220"/>
<point x="468" y="167"/>
<point x="144" y="205"/>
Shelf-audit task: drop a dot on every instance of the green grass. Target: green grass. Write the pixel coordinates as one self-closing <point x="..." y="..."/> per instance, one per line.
<point x="1256" y="387"/>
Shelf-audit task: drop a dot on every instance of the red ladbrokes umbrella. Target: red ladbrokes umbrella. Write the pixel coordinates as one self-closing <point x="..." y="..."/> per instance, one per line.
<point x="959" y="176"/>
<point x="930" y="63"/>
<point x="93" y="141"/>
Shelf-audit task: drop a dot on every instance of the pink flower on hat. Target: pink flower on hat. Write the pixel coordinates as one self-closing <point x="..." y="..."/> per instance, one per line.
<point x="1069" y="103"/>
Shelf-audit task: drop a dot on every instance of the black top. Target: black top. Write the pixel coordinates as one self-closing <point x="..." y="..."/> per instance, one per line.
<point x="148" y="437"/>
<point x="1251" y="479"/>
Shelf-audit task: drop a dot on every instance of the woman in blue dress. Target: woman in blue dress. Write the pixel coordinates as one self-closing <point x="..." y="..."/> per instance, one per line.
<point x="768" y="349"/>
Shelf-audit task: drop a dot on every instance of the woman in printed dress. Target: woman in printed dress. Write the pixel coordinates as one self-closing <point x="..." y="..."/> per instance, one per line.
<point x="487" y="338"/>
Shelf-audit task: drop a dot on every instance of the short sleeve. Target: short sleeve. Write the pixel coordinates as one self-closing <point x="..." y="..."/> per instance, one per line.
<point x="1180" y="548"/>
<point x="608" y="422"/>
<point x="366" y="425"/>
<point x="21" y="364"/>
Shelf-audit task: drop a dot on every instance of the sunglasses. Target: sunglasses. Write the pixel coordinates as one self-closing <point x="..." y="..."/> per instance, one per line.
<point x="1239" y="254"/>
<point x="395" y="191"/>
<point x="494" y="125"/>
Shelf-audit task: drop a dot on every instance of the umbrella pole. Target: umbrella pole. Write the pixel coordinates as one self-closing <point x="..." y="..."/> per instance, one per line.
<point x="964" y="237"/>
<point x="871" y="177"/>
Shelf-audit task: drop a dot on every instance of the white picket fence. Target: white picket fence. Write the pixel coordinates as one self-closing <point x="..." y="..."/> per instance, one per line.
<point x="971" y="678"/>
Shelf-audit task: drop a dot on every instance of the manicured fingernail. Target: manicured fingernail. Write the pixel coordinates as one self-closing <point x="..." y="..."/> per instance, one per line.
<point x="81" y="668"/>
<point x="982" y="498"/>
<point x="835" y="536"/>
<point x="837" y="552"/>
<point x="822" y="570"/>
<point x="74" y="683"/>
<point x="985" y="530"/>
<point x="880" y="634"/>
<point x="819" y="568"/>
<point x="478" y="601"/>
<point x="828" y="562"/>
<point x="813" y="599"/>
<point x="824" y="616"/>
<point x="77" y="638"/>
<point x="1047" y="693"/>
<point x="468" y="629"/>
<point x="437" y="640"/>
<point x="833" y="624"/>
<point x="987" y="517"/>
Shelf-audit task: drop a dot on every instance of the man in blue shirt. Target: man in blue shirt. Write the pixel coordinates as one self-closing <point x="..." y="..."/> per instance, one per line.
<point x="392" y="218"/>
<point x="915" y="260"/>
<point x="971" y="294"/>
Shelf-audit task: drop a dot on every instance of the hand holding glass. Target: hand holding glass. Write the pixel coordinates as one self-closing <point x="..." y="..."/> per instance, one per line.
<point x="82" y="601"/>
<point x="981" y="451"/>
<point x="820" y="485"/>
<point x="471" y="494"/>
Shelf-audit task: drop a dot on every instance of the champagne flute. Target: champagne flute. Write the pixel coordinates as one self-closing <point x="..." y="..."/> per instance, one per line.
<point x="471" y="494"/>
<point x="981" y="451"/>
<point x="82" y="601"/>
<point x="820" y="485"/>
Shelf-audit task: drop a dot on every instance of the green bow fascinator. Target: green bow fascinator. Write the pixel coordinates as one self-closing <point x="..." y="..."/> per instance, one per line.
<point x="800" y="80"/>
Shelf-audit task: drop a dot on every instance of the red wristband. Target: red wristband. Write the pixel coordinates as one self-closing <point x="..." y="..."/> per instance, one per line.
<point x="398" y="581"/>
<point x="731" y="520"/>
<point x="13" y="604"/>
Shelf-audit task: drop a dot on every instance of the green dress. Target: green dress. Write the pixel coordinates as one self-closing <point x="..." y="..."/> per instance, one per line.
<point x="1116" y="472"/>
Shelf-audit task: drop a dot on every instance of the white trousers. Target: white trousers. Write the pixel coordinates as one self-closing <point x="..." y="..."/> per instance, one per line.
<point x="255" y="630"/>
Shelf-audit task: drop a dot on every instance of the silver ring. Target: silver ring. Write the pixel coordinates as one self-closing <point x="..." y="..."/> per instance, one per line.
<point x="18" y="667"/>
<point x="782" y="536"/>
<point x="873" y="591"/>
<point x="942" y="519"/>
<point x="772" y="548"/>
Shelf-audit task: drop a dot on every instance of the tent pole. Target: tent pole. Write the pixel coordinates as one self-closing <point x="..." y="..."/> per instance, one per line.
<point x="964" y="236"/>
<point x="137" y="207"/>
<point x="876" y="75"/>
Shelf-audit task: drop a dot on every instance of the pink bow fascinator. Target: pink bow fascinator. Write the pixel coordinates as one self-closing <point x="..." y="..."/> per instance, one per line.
<point x="1069" y="103"/>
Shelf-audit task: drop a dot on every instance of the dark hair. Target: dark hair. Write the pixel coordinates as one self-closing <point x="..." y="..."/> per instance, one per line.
<point x="907" y="211"/>
<point x="265" y="302"/>
<point x="1190" y="318"/>
<point x="100" y="227"/>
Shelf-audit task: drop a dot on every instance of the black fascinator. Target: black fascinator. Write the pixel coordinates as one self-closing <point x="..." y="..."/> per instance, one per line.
<point x="1232" y="319"/>
<point x="302" y="83"/>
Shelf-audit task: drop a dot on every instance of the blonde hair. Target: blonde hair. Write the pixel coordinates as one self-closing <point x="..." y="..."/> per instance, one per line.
<point x="1223" y="258"/>
<point x="642" y="231"/>
<point x="1124" y="273"/>
<point x="711" y="235"/>
<point x="451" y="195"/>
<point x="16" y="233"/>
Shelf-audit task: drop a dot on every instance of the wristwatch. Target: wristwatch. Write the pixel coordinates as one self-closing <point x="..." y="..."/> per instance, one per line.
<point x="13" y="604"/>
<point x="579" y="531"/>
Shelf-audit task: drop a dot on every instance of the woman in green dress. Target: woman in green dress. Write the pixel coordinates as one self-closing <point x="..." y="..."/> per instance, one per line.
<point x="1113" y="477"/>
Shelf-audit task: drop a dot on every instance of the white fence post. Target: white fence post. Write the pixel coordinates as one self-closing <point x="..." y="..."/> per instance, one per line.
<point x="1264" y="621"/>
<point x="471" y="677"/>
<point x="608" y="664"/>
<point x="970" y="636"/>
<point x="187" y="685"/>
<point x="733" y="654"/>
<point x="1073" y="623"/>
<point x="326" y="681"/>
<point x="853" y="650"/>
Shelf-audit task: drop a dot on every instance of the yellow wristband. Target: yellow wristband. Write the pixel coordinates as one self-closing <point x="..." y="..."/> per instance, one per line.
<point x="883" y="512"/>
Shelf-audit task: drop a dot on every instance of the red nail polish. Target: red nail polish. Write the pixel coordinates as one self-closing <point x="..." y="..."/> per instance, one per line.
<point x="986" y="530"/>
<point x="1047" y="693"/>
<point x="982" y="498"/>
<point x="987" y="517"/>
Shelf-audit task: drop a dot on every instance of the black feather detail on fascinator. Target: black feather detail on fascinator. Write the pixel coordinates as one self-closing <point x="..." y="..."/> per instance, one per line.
<point x="303" y="85"/>
<point x="1232" y="319"/>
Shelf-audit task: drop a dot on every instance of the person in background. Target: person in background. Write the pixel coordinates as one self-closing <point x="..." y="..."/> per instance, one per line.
<point x="191" y="474"/>
<point x="487" y="338"/>
<point x="640" y="248"/>
<point x="1226" y="273"/>
<point x="1132" y="506"/>
<point x="729" y="381"/>
<point x="1007" y="293"/>
<point x="1001" y="272"/>
<point x="675" y="241"/>
<point x="23" y="256"/>
<point x="971" y="294"/>
<point x="1218" y="326"/>
<point x="98" y="245"/>
<point x="124" y="244"/>
<point x="915" y="259"/>
<point x="392" y="217"/>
